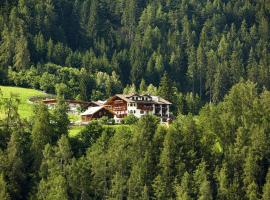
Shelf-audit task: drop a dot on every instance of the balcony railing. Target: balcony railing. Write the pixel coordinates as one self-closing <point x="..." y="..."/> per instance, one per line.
<point x="120" y="108"/>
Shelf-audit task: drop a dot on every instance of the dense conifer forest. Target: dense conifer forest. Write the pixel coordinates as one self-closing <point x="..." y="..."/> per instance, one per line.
<point x="97" y="48"/>
<point x="210" y="58"/>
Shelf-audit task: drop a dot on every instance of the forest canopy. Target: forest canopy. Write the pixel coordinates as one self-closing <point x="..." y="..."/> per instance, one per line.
<point x="209" y="58"/>
<point x="205" y="47"/>
<point x="222" y="153"/>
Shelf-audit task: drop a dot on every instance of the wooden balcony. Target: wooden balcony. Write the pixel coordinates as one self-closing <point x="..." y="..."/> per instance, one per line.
<point x="119" y="108"/>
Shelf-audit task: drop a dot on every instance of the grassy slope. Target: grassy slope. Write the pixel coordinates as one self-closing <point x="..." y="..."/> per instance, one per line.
<point x="25" y="108"/>
<point x="74" y="130"/>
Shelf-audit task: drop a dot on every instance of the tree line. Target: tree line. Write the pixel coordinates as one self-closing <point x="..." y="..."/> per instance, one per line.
<point x="204" y="46"/>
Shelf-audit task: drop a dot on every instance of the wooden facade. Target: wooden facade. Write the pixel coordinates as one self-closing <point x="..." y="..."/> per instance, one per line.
<point x="102" y="112"/>
<point x="138" y="105"/>
<point x="145" y="106"/>
<point x="118" y="106"/>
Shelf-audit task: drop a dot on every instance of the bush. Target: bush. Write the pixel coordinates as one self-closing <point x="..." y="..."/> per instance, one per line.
<point x="130" y="119"/>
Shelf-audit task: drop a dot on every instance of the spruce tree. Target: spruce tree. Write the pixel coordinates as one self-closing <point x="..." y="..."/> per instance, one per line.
<point x="3" y="189"/>
<point x="143" y="87"/>
<point x="41" y="133"/>
<point x="16" y="164"/>
<point x="118" y="188"/>
<point x="165" y="89"/>
<point x="60" y="120"/>
<point x="21" y="59"/>
<point x="159" y="188"/>
<point x="266" y="187"/>
<point x="55" y="187"/>
<point x="184" y="190"/>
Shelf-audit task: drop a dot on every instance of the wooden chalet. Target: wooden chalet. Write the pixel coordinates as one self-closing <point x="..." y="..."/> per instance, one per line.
<point x="138" y="105"/>
<point x="96" y="113"/>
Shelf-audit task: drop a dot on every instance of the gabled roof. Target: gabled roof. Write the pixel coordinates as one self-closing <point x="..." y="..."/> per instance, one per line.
<point x="98" y="103"/>
<point x="121" y="96"/>
<point x="93" y="110"/>
<point x="127" y="98"/>
<point x="160" y="100"/>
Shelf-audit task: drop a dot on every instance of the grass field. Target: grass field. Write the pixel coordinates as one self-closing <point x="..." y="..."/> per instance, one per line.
<point x="74" y="130"/>
<point x="25" y="107"/>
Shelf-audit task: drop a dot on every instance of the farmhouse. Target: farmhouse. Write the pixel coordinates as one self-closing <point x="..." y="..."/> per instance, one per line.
<point x="138" y="105"/>
<point x="96" y="113"/>
<point x="74" y="106"/>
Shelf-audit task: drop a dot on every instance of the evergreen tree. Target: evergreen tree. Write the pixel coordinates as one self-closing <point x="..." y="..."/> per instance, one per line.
<point x="192" y="68"/>
<point x="201" y="63"/>
<point x="60" y="120"/>
<point x="143" y="87"/>
<point x="3" y="189"/>
<point x="21" y="59"/>
<point x="223" y="183"/>
<point x="202" y="185"/>
<point x="54" y="187"/>
<point x="15" y="165"/>
<point x="6" y="48"/>
<point x="184" y="190"/>
<point x="212" y="63"/>
<point x="41" y="133"/>
<point x="205" y="191"/>
<point x="266" y="187"/>
<point x="118" y="187"/>
<point x="136" y="183"/>
<point x="159" y="188"/>
<point x="165" y="89"/>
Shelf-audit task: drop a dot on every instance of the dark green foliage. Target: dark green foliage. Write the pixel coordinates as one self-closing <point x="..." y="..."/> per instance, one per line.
<point x="41" y="133"/>
<point x="221" y="153"/>
<point x="165" y="89"/>
<point x="3" y="189"/>
<point x="192" y="51"/>
<point x="130" y="119"/>
<point x="59" y="120"/>
<point x="89" y="135"/>
<point x="205" y="47"/>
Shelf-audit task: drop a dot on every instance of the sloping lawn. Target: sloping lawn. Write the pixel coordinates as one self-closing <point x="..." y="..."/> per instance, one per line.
<point x="74" y="130"/>
<point x="25" y="107"/>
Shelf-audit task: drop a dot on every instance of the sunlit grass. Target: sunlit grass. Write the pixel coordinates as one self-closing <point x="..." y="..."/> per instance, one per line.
<point x="25" y="107"/>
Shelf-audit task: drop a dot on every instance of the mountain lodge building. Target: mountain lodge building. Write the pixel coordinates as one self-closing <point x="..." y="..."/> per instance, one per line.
<point x="138" y="105"/>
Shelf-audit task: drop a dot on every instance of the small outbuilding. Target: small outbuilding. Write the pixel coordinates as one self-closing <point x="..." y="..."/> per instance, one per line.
<point x="96" y="113"/>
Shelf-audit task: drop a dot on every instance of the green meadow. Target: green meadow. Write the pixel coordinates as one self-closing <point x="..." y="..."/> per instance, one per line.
<point x="25" y="107"/>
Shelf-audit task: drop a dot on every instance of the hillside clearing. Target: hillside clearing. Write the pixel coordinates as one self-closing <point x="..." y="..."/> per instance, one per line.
<point x="25" y="107"/>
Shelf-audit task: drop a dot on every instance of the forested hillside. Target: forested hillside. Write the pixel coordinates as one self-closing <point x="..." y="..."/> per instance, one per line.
<point x="98" y="47"/>
<point x="223" y="153"/>
<point x="210" y="58"/>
